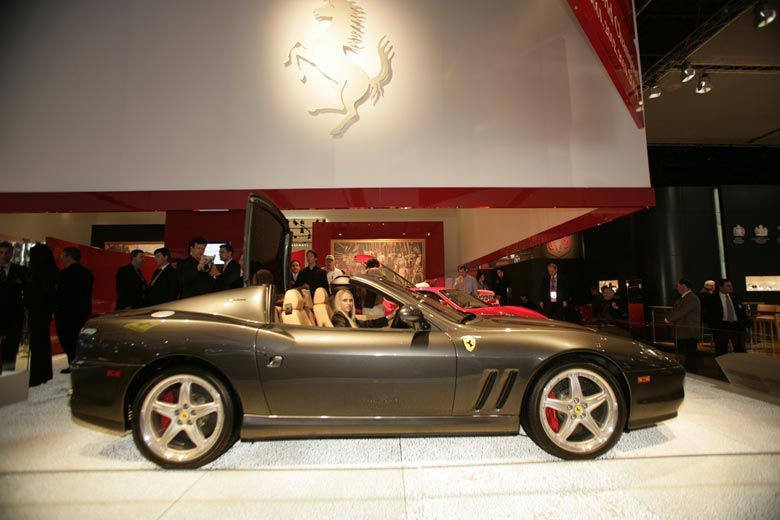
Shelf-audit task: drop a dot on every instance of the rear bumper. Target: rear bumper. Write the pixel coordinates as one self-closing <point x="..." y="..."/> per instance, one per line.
<point x="99" y="390"/>
<point x="656" y="400"/>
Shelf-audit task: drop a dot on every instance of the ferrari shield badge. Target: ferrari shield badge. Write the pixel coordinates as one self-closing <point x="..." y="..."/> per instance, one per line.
<point x="470" y="342"/>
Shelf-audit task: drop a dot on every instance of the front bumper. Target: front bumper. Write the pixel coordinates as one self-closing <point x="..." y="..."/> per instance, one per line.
<point x="656" y="395"/>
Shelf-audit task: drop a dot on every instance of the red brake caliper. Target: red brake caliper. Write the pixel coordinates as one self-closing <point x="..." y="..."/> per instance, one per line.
<point x="552" y="415"/>
<point x="166" y="421"/>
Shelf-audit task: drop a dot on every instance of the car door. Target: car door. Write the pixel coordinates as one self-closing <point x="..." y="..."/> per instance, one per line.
<point x="267" y="243"/>
<point x="345" y="372"/>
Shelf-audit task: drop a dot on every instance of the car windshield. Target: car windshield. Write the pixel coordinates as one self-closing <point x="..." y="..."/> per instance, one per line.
<point x="428" y="301"/>
<point x="394" y="277"/>
<point x="462" y="299"/>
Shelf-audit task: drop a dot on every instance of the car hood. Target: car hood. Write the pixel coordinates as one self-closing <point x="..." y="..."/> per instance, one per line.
<point x="505" y="310"/>
<point x="503" y="323"/>
<point x="628" y="353"/>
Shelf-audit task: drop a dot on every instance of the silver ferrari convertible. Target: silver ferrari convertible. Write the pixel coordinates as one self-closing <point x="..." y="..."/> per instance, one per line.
<point x="191" y="377"/>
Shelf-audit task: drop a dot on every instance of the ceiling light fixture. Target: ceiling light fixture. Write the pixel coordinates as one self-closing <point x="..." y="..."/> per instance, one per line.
<point x="705" y="84"/>
<point x="655" y="92"/>
<point x="687" y="72"/>
<point x="764" y="14"/>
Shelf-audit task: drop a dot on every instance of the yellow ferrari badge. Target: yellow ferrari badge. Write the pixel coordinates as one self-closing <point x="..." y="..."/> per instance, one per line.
<point x="141" y="326"/>
<point x="470" y="342"/>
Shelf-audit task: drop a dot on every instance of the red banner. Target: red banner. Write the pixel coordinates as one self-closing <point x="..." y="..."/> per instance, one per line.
<point x="609" y="25"/>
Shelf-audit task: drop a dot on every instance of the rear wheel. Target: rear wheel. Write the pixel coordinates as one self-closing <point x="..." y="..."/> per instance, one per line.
<point x="576" y="411"/>
<point x="183" y="418"/>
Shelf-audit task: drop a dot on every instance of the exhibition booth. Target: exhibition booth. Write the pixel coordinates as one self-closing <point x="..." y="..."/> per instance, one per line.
<point x="427" y="133"/>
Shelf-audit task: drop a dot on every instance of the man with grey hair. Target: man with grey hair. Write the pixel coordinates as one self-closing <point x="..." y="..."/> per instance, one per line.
<point x="709" y="288"/>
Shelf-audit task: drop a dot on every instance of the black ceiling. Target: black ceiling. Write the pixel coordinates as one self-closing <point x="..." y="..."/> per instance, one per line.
<point x="720" y="38"/>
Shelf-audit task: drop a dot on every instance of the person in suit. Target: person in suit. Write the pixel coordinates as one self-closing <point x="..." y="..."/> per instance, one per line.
<point x="12" y="277"/>
<point x="164" y="286"/>
<point x="312" y="276"/>
<point x="230" y="277"/>
<point x="74" y="302"/>
<point x="686" y="318"/>
<point x="130" y="283"/>
<point x="727" y="318"/>
<point x="194" y="271"/>
<point x="295" y="271"/>
<point x="502" y="287"/>
<point x="554" y="294"/>
<point x="39" y="297"/>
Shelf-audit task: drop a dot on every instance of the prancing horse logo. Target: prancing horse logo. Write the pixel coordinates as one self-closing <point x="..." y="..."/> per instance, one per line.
<point x="328" y="54"/>
<point x="470" y="342"/>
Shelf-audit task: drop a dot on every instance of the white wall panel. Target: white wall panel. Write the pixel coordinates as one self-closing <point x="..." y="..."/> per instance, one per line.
<point x="192" y="94"/>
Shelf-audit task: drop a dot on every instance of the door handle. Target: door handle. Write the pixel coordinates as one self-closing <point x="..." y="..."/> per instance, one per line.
<point x="275" y="362"/>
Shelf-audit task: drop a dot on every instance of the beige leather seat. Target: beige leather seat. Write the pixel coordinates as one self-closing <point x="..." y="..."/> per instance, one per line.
<point x="322" y="310"/>
<point x="293" y="312"/>
<point x="308" y="305"/>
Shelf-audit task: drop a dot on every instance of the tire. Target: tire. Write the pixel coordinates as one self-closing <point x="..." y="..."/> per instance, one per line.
<point x="183" y="418"/>
<point x="575" y="411"/>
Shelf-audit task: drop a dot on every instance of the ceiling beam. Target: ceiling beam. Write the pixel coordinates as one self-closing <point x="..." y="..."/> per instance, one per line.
<point x="701" y="35"/>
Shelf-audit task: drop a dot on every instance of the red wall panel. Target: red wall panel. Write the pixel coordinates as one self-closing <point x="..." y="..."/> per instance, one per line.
<point x="432" y="232"/>
<point x="224" y="226"/>
<point x="104" y="265"/>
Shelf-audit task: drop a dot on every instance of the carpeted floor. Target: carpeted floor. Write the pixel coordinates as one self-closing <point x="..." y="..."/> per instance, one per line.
<point x="719" y="459"/>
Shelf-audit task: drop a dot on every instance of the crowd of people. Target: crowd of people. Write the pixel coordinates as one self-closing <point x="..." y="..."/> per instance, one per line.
<point x="41" y="291"/>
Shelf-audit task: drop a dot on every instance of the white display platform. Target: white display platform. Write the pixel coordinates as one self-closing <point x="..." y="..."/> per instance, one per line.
<point x="13" y="386"/>
<point x="719" y="459"/>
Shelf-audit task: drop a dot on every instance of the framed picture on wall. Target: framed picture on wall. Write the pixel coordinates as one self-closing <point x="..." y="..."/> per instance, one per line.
<point x="404" y="256"/>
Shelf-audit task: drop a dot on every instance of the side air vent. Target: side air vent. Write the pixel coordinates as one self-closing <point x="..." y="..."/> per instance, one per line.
<point x="486" y="388"/>
<point x="508" y="384"/>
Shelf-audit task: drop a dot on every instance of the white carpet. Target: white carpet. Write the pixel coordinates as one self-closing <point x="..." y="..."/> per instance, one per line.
<point x="720" y="459"/>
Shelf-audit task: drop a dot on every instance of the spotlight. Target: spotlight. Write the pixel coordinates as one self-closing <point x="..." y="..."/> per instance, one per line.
<point x="764" y="14"/>
<point x="655" y="92"/>
<point x="705" y="85"/>
<point x="687" y="72"/>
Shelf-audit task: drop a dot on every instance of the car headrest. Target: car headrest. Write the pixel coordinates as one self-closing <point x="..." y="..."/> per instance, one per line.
<point x="293" y="300"/>
<point x="320" y="296"/>
<point x="340" y="280"/>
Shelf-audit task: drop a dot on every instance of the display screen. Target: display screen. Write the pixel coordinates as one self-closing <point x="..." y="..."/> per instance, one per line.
<point x="212" y="249"/>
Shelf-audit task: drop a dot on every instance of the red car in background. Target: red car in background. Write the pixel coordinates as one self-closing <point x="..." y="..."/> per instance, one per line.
<point x="464" y="302"/>
<point x="459" y="300"/>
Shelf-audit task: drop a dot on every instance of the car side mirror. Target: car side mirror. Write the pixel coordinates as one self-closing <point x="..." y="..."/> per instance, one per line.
<point x="410" y="314"/>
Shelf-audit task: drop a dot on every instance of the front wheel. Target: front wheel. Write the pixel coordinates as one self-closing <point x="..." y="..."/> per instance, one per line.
<point x="576" y="411"/>
<point x="183" y="418"/>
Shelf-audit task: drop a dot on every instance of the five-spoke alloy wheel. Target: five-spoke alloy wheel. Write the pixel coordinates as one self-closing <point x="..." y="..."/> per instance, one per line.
<point x="576" y="411"/>
<point x="183" y="418"/>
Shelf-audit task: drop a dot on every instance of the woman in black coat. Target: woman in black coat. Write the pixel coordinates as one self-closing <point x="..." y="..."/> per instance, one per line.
<point x="39" y="296"/>
<point x="344" y="316"/>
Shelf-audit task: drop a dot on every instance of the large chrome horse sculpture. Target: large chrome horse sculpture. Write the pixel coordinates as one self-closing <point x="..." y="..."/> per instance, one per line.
<point x="328" y="54"/>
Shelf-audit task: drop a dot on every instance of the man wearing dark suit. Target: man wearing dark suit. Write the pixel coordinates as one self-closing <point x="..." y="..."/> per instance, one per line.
<point x="165" y="282"/>
<point x="230" y="277"/>
<point x="554" y="294"/>
<point x="295" y="271"/>
<point x="73" y="304"/>
<point x="313" y="276"/>
<point x="12" y="279"/>
<point x="727" y="318"/>
<point x="502" y="287"/>
<point x="686" y="318"/>
<point x="194" y="272"/>
<point x="130" y="283"/>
